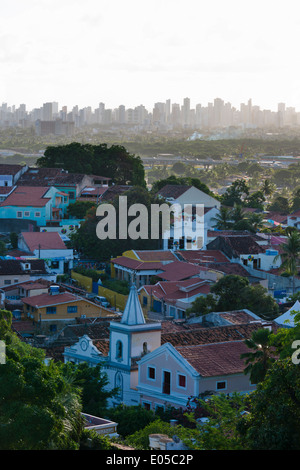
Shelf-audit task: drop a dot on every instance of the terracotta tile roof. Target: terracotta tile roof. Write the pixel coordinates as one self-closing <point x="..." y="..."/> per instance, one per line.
<point x="9" y="169"/>
<point x="174" y="290"/>
<point x="178" y="270"/>
<point x="43" y="240"/>
<point x="234" y="233"/>
<point x="194" y="334"/>
<point x="93" y="191"/>
<point x="156" y="255"/>
<point x="44" y="300"/>
<point x="216" y="359"/>
<point x="50" y="177"/>
<point x="102" y="345"/>
<point x="5" y="189"/>
<point x="135" y="264"/>
<point x="16" y="253"/>
<point x="14" y="267"/>
<point x="23" y="326"/>
<point x="28" y="285"/>
<point x="114" y="191"/>
<point x="229" y="268"/>
<point x="203" y="256"/>
<point x="276" y="217"/>
<point x="245" y="245"/>
<point x="24" y="196"/>
<point x="173" y="190"/>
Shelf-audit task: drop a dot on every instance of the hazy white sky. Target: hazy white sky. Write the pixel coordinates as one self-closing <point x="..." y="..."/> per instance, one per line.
<point x="136" y="52"/>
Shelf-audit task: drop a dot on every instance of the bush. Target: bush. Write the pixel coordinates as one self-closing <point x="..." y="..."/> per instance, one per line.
<point x="130" y="418"/>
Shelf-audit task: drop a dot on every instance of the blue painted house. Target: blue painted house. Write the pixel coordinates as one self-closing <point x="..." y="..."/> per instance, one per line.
<point x="40" y="205"/>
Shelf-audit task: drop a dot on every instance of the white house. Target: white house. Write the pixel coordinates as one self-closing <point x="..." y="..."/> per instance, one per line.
<point x="197" y="211"/>
<point x="48" y="246"/>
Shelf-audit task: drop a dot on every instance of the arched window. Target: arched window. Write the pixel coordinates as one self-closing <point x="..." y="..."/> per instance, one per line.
<point x="119" y="350"/>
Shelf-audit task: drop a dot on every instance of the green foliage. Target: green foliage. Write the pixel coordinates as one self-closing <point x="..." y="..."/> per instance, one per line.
<point x="41" y="405"/>
<point x="39" y="408"/>
<point x="79" y="209"/>
<point x="261" y="356"/>
<point x="93" y="385"/>
<point x="203" y="305"/>
<point x="13" y="239"/>
<point x="237" y="192"/>
<point x="221" y="431"/>
<point x="280" y="204"/>
<point x="3" y="249"/>
<point x="91" y="440"/>
<point x="234" y="292"/>
<point x="85" y="239"/>
<point x="113" y="162"/>
<point x="92" y="273"/>
<point x="274" y="419"/>
<point x="130" y="419"/>
<point x="140" y="438"/>
<point x="290" y="254"/>
<point x="121" y="287"/>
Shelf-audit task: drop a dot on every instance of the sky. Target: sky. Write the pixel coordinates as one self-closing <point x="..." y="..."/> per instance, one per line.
<point x="132" y="52"/>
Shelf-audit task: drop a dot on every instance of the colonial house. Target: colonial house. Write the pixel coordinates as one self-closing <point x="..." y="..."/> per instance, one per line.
<point x="13" y="271"/>
<point x="170" y="375"/>
<point x="248" y="251"/>
<point x="293" y="220"/>
<point x="51" y="311"/>
<point x="70" y="183"/>
<point x="173" y="298"/>
<point x="9" y="175"/>
<point x="48" y="246"/>
<point x="187" y="194"/>
<point x="28" y="206"/>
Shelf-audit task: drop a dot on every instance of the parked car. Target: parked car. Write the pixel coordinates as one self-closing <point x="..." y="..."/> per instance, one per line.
<point x="90" y="296"/>
<point x="102" y="301"/>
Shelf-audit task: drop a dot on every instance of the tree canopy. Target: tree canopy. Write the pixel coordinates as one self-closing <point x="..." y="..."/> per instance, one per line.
<point x="233" y="292"/>
<point x="113" y="162"/>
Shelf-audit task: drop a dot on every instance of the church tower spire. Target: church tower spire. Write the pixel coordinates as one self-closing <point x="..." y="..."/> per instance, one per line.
<point x="133" y="313"/>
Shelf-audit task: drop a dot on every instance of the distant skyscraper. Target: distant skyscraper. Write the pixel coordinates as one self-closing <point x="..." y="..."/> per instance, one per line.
<point x="47" y="112"/>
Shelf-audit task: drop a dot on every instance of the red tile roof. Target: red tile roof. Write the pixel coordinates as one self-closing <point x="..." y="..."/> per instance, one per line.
<point x="7" y="169"/>
<point x="43" y="240"/>
<point x="216" y="359"/>
<point x="131" y="263"/>
<point x="156" y="255"/>
<point x="44" y="300"/>
<point x="203" y="256"/>
<point x="178" y="270"/>
<point x="174" y="290"/>
<point x="24" y="196"/>
<point x="173" y="190"/>
<point x="195" y="334"/>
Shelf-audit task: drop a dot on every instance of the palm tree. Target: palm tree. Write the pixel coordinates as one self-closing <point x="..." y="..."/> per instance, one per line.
<point x="268" y="187"/>
<point x="256" y="221"/>
<point x="290" y="254"/>
<point x="223" y="219"/>
<point x="258" y="361"/>
<point x="238" y="213"/>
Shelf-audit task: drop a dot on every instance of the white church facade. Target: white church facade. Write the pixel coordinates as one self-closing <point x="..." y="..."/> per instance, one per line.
<point x="130" y="339"/>
<point x="153" y="374"/>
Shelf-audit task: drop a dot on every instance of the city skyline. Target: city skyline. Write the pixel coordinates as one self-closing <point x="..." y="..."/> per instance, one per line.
<point x="127" y="52"/>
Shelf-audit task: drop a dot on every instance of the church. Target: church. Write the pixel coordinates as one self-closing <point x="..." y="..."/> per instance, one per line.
<point x="159" y="370"/>
<point x="130" y="339"/>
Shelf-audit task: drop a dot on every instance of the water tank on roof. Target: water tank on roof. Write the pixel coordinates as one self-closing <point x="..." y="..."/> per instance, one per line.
<point x="54" y="290"/>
